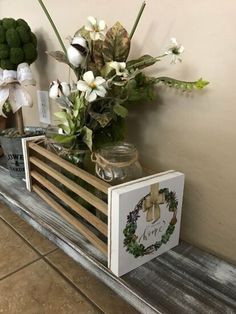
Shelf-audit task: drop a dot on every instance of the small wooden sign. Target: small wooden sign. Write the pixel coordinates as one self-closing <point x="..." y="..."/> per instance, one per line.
<point x="144" y="220"/>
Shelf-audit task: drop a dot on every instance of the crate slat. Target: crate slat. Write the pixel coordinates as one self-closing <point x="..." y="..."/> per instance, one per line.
<point x="95" y="221"/>
<point x="79" y="226"/>
<point x="86" y="195"/>
<point x="94" y="181"/>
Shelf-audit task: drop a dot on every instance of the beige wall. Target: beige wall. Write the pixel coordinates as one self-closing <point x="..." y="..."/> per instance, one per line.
<point x="192" y="133"/>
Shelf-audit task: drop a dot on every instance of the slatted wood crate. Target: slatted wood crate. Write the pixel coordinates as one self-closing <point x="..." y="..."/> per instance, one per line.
<point x="49" y="176"/>
<point x="130" y="223"/>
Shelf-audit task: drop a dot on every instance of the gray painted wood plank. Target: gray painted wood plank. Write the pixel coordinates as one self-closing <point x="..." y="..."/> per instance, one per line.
<point x="177" y="283"/>
<point x="183" y="280"/>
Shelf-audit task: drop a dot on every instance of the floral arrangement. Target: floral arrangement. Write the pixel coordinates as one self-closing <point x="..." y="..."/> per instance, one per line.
<point x="94" y="108"/>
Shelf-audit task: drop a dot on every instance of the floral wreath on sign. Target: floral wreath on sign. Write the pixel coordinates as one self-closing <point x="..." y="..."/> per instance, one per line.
<point x="133" y="246"/>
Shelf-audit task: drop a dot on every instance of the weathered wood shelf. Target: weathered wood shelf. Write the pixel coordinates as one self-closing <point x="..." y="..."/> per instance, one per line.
<point x="183" y="280"/>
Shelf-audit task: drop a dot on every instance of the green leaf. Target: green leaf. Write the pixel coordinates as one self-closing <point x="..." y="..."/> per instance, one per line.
<point x="64" y="102"/>
<point x="142" y="62"/>
<point x="201" y="83"/>
<point x="102" y="118"/>
<point x="184" y="85"/>
<point x="87" y="137"/>
<point x="64" y="139"/>
<point x="75" y="113"/>
<point x="107" y="71"/>
<point x="116" y="45"/>
<point x="72" y="125"/>
<point x="142" y="88"/>
<point x="83" y="32"/>
<point x="62" y="115"/>
<point x="120" y="110"/>
<point x="97" y="53"/>
<point x="59" y="56"/>
<point x="79" y="103"/>
<point x="64" y="127"/>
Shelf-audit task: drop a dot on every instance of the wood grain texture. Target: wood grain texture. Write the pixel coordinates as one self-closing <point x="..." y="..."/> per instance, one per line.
<point x="187" y="280"/>
<point x="94" y="181"/>
<point x="73" y="221"/>
<point x="184" y="280"/>
<point x="40" y="215"/>
<point x="82" y="211"/>
<point x="86" y="195"/>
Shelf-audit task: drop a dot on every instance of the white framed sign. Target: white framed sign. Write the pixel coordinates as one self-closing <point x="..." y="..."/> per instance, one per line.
<point x="144" y="220"/>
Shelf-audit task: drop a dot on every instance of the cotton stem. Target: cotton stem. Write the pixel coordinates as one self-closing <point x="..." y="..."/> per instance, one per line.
<point x="53" y="25"/>
<point x="137" y="19"/>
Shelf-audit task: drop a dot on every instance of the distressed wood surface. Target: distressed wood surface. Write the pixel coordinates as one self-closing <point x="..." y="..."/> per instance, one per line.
<point x="183" y="280"/>
<point x="187" y="280"/>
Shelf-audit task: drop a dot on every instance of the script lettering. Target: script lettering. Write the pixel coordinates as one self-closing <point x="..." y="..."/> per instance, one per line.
<point x="152" y="230"/>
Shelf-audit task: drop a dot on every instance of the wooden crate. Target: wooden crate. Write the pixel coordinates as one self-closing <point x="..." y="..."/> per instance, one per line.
<point x="48" y="177"/>
<point x="130" y="223"/>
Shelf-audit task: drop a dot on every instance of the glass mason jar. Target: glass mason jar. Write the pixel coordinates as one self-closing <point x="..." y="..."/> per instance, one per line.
<point x="80" y="157"/>
<point x="117" y="163"/>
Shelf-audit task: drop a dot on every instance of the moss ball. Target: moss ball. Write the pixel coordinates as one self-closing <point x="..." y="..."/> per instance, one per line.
<point x="4" y="51"/>
<point x="34" y="39"/>
<point x="16" y="55"/>
<point x="21" y="22"/>
<point x="17" y="43"/>
<point x="7" y="65"/>
<point x="12" y="38"/>
<point x="2" y="35"/>
<point x="30" y="53"/>
<point x="9" y="23"/>
<point x="24" y="33"/>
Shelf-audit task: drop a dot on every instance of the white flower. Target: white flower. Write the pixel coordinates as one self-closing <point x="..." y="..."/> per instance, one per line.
<point x="120" y="68"/>
<point x="57" y="89"/>
<point x="92" y="87"/>
<point x="175" y="50"/>
<point x="96" y="28"/>
<point x="77" y="51"/>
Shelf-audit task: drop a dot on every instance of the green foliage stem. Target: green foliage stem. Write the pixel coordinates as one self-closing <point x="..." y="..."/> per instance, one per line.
<point x="53" y="25"/>
<point x="184" y="85"/>
<point x="137" y="20"/>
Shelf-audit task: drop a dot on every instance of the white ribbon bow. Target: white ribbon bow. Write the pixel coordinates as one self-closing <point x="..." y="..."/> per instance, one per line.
<point x="11" y="87"/>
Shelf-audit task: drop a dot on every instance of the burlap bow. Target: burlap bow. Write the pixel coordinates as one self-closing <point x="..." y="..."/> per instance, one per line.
<point x="12" y="87"/>
<point x="151" y="203"/>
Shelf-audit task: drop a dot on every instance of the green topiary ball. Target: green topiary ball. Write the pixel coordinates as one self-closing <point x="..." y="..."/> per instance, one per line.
<point x="17" y="43"/>
<point x="4" y="51"/>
